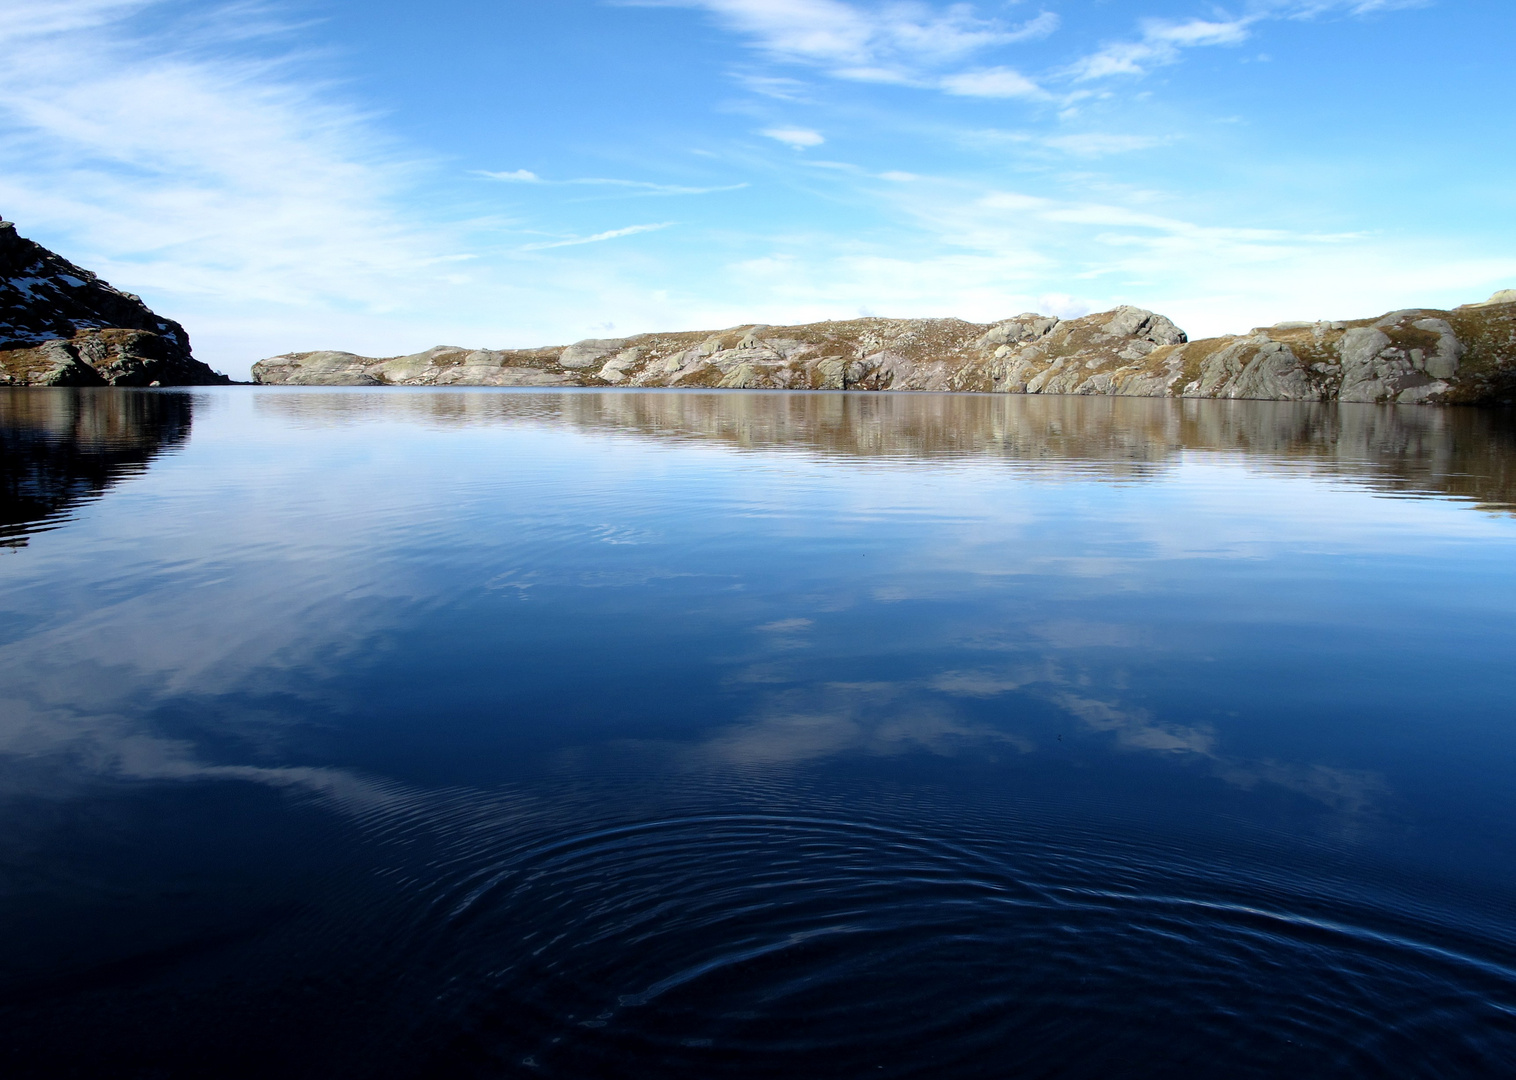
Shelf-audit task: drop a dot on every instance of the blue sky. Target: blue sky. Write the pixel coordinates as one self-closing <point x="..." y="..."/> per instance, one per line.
<point x="386" y="176"/>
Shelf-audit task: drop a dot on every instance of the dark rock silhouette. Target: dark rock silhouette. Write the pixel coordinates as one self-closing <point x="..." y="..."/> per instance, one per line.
<point x="60" y="325"/>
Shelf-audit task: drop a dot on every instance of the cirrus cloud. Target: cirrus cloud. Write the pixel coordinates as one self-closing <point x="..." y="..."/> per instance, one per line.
<point x="997" y="82"/>
<point x="798" y="138"/>
<point x="901" y="42"/>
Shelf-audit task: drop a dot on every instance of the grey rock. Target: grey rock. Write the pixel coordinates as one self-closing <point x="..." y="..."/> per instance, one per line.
<point x="614" y="369"/>
<point x="1027" y="326"/>
<point x="330" y="368"/>
<point x="1124" y="352"/>
<point x="1373" y="370"/>
<point x="1274" y="373"/>
<point x="1360" y="346"/>
<point x="589" y="352"/>
<point x="1444" y="363"/>
<point x="1131" y="321"/>
<point x="1219" y="370"/>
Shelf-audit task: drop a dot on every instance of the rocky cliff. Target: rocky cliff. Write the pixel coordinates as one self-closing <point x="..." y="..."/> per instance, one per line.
<point x="60" y="325"/>
<point x="1420" y="355"/>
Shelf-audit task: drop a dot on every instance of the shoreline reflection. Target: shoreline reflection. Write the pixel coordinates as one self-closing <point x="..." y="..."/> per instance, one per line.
<point x="63" y="447"/>
<point x="1463" y="453"/>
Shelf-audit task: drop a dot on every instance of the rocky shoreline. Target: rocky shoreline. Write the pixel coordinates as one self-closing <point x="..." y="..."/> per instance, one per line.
<point x="1413" y="356"/>
<point x="60" y="325"/>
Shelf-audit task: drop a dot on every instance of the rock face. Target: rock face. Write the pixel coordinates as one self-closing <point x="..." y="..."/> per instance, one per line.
<point x="1412" y="356"/>
<point x="62" y="326"/>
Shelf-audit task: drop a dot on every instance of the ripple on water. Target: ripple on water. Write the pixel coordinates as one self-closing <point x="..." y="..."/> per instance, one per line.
<point x="760" y="943"/>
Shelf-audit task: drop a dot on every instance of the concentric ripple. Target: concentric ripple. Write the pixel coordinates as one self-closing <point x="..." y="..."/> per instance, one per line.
<point x="756" y="943"/>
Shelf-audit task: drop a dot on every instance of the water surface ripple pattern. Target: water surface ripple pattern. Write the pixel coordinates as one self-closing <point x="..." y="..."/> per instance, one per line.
<point x="541" y="733"/>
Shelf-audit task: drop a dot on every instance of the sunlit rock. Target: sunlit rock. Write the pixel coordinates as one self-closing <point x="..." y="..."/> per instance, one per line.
<point x="1408" y="356"/>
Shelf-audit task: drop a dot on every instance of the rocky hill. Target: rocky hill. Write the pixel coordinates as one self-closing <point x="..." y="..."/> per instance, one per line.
<point x="1420" y="355"/>
<point x="60" y="325"/>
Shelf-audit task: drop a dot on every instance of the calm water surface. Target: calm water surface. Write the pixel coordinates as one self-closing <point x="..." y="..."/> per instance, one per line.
<point x="582" y="734"/>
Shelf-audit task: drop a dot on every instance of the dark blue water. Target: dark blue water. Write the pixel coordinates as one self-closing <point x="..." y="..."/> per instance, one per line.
<point x="466" y="734"/>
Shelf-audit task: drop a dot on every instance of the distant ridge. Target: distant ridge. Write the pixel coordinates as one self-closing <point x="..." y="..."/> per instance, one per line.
<point x="1420" y="356"/>
<point x="60" y="325"/>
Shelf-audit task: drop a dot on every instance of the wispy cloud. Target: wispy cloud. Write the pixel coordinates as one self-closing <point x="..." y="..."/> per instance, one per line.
<point x="518" y="176"/>
<point x="611" y="234"/>
<point x="231" y="180"/>
<point x="798" y="138"/>
<point x="1305" y="9"/>
<point x="1092" y="144"/>
<point x="30" y="18"/>
<point x="1080" y="144"/>
<point x="891" y="42"/>
<point x="997" y="82"/>
<point x="1160" y="43"/>
<point x="640" y="187"/>
<point x="923" y="45"/>
<point x="202" y="174"/>
<point x="982" y="252"/>
<point x="212" y="169"/>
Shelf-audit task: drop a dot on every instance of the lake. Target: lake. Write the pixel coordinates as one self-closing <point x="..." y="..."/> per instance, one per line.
<point x="386" y="733"/>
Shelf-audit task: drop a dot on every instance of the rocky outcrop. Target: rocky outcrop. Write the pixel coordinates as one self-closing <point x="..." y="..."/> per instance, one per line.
<point x="60" y="325"/>
<point x="863" y="354"/>
<point x="1411" y="356"/>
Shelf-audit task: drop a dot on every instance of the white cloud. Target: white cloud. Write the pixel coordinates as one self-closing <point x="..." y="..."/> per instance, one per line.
<point x="30" y="18"/>
<point x="1000" y="82"/>
<point x="1040" y="27"/>
<point x="1096" y="144"/>
<point x="910" y="42"/>
<point x="1160" y="44"/>
<point x="1196" y="32"/>
<point x="832" y="32"/>
<point x="774" y="86"/>
<point x="612" y="234"/>
<point x="243" y="197"/>
<point x="890" y="42"/>
<point x="640" y="187"/>
<point x="1305" y="9"/>
<point x="799" y="138"/>
<point x="984" y="253"/>
<point x="1161" y="41"/>
<point x="209" y="181"/>
<point x="1083" y="144"/>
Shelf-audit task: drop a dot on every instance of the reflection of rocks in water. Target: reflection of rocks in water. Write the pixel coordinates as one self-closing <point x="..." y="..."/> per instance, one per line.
<point x="60" y="447"/>
<point x="1468" y="453"/>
